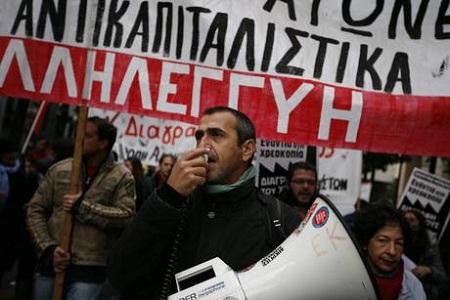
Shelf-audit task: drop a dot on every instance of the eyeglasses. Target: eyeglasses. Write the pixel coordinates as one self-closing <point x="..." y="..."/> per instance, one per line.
<point x="304" y="181"/>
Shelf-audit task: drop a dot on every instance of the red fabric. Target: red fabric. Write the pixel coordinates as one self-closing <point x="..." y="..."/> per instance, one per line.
<point x="406" y="124"/>
<point x="91" y="170"/>
<point x="390" y="287"/>
<point x="40" y="155"/>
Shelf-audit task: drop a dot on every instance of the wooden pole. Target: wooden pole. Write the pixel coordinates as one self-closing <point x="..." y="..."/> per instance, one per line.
<point x="74" y="184"/>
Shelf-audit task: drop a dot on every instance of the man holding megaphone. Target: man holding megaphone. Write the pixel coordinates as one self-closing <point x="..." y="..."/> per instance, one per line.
<point x="208" y="208"/>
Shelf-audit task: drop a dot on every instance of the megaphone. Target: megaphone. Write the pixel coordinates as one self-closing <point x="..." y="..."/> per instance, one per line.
<point x="319" y="260"/>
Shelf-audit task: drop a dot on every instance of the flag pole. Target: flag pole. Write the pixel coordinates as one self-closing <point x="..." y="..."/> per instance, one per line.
<point x="33" y="126"/>
<point x="66" y="235"/>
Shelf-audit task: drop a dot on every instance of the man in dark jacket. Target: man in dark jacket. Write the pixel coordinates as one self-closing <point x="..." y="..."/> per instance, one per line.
<point x="209" y="207"/>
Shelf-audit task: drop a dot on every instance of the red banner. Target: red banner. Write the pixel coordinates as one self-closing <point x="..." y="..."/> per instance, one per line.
<point x="289" y="109"/>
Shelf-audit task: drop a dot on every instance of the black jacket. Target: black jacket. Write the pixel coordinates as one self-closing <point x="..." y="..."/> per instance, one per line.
<point x="235" y="226"/>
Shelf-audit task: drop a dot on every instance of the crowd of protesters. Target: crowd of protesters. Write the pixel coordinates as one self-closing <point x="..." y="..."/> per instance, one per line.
<point x="126" y="224"/>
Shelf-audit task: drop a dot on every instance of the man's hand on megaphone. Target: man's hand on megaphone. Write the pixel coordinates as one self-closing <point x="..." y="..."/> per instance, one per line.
<point x="189" y="171"/>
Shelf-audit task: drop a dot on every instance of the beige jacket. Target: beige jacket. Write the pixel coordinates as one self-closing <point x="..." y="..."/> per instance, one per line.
<point x="106" y="207"/>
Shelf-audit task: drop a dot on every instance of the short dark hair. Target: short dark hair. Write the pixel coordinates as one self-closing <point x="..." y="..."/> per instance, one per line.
<point x="374" y="217"/>
<point x="105" y="130"/>
<point x="301" y="165"/>
<point x="164" y="155"/>
<point x="244" y="126"/>
<point x="6" y="146"/>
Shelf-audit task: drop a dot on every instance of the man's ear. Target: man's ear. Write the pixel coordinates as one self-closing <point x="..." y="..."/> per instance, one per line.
<point x="248" y="149"/>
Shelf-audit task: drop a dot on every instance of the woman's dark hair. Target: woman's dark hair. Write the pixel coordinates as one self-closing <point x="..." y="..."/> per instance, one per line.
<point x="137" y="169"/>
<point x="164" y="155"/>
<point x="417" y="241"/>
<point x="374" y="217"/>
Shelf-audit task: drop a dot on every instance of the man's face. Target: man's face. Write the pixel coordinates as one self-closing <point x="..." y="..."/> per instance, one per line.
<point x="92" y="144"/>
<point x="412" y="221"/>
<point x="166" y="165"/>
<point x="41" y="145"/>
<point x="226" y="160"/>
<point x="129" y="166"/>
<point x="303" y="185"/>
<point x="8" y="159"/>
<point x="385" y="248"/>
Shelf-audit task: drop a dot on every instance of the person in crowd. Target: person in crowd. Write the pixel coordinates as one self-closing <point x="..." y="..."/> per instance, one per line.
<point x="142" y="183"/>
<point x="166" y="163"/>
<point x="150" y="171"/>
<point x="42" y="154"/>
<point x="101" y="210"/>
<point x="423" y="251"/>
<point x="302" y="187"/>
<point x="444" y="249"/>
<point x="209" y="207"/>
<point x="15" y="246"/>
<point x="380" y="231"/>
<point x="9" y="164"/>
<point x="360" y="203"/>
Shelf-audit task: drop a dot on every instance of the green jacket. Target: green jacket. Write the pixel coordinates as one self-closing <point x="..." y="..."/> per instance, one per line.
<point x="105" y="208"/>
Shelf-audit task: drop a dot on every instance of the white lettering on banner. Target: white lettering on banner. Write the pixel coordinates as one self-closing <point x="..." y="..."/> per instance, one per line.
<point x="200" y="74"/>
<point x="269" y="191"/>
<point x="282" y="153"/>
<point x="16" y="49"/>
<point x="166" y="88"/>
<point x="238" y="80"/>
<point x="104" y="77"/>
<point x="107" y="81"/>
<point x="353" y="116"/>
<point x="268" y="143"/>
<point x="287" y="58"/>
<point x="286" y="106"/>
<point x="60" y="57"/>
<point x="277" y="180"/>
<point x="137" y="66"/>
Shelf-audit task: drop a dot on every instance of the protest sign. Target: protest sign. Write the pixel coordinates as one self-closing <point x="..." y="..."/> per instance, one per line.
<point x="272" y="161"/>
<point x="340" y="177"/>
<point x="148" y="138"/>
<point x="429" y="194"/>
<point x="349" y="74"/>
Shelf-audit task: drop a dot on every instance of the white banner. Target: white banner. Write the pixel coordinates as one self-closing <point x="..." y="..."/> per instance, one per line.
<point x="148" y="138"/>
<point x="340" y="177"/>
<point x="371" y="75"/>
